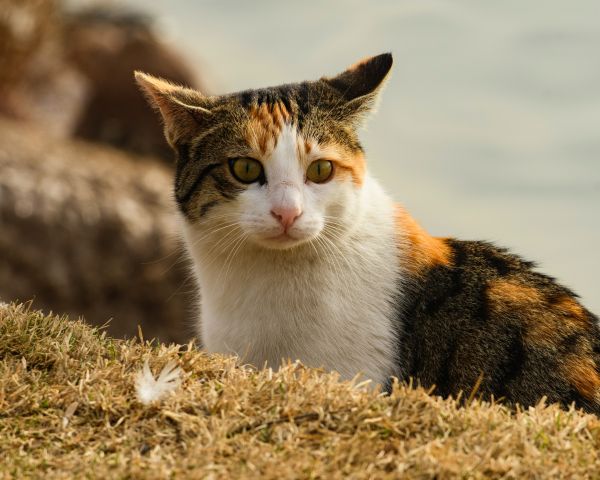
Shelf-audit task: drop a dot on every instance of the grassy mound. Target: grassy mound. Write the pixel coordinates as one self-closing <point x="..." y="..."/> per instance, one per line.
<point x="68" y="409"/>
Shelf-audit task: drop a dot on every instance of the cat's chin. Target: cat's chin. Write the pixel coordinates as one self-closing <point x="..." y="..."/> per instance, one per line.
<point x="280" y="242"/>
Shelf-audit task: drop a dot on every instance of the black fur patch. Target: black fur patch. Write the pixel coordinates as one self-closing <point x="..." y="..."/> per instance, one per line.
<point x="449" y="335"/>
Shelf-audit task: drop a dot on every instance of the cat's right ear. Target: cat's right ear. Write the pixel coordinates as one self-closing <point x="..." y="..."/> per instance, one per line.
<point x="360" y="85"/>
<point x="183" y="110"/>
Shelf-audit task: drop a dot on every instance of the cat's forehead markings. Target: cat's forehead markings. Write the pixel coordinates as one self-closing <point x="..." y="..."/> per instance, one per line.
<point x="307" y="147"/>
<point x="265" y="123"/>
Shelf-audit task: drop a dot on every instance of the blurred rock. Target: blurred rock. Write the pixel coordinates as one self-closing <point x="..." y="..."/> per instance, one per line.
<point x="71" y="72"/>
<point x="24" y="26"/>
<point x="106" y="46"/>
<point x="36" y="83"/>
<point x="88" y="230"/>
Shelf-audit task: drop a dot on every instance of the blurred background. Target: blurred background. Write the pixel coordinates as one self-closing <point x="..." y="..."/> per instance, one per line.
<point x="488" y="129"/>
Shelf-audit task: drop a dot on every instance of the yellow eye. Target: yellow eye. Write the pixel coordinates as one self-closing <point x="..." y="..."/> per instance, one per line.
<point x="319" y="171"/>
<point x="246" y="170"/>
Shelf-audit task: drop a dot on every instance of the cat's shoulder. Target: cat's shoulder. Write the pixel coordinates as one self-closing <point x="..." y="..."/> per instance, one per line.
<point x="488" y="281"/>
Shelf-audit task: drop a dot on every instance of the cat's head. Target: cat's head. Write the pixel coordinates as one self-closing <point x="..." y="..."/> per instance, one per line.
<point x="278" y="163"/>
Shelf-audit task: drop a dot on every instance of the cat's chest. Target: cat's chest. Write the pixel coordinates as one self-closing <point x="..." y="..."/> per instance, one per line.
<point x="333" y="312"/>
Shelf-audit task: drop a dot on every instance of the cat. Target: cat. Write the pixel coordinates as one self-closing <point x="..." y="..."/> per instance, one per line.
<point x="300" y="254"/>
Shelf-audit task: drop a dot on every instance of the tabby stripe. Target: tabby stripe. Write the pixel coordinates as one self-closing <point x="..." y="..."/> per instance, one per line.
<point x="183" y="157"/>
<point x="303" y="101"/>
<point x="207" y="206"/>
<point x="444" y="382"/>
<point x="199" y="179"/>
<point x="224" y="186"/>
<point x="498" y="263"/>
<point x="287" y="103"/>
<point x="571" y="343"/>
<point x="514" y="364"/>
<point x="483" y="311"/>
<point x="247" y="98"/>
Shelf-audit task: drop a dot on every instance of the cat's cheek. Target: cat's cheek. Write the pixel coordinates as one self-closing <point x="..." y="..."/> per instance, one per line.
<point x="336" y="200"/>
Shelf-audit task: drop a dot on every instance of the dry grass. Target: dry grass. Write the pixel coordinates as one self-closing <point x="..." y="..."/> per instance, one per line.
<point x="68" y="409"/>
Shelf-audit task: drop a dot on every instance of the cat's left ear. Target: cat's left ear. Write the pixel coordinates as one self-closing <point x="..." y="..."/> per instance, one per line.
<point x="183" y="110"/>
<point x="361" y="84"/>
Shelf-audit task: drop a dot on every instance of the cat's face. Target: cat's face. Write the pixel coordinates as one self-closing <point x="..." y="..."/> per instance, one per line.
<point x="276" y="165"/>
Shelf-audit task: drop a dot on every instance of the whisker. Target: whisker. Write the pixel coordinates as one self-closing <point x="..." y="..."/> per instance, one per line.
<point x="341" y="254"/>
<point x="213" y="231"/>
<point x="225" y="242"/>
<point x="235" y="250"/>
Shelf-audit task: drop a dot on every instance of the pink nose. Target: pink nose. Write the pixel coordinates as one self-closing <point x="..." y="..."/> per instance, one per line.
<point x="286" y="215"/>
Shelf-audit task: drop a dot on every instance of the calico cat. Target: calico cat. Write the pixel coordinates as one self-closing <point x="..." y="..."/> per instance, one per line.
<point x="300" y="254"/>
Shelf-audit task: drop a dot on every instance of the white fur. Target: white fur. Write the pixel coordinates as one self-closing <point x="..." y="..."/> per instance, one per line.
<point x="325" y="296"/>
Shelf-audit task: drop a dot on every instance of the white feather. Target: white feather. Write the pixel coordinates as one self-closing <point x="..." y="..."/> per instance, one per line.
<point x="150" y="389"/>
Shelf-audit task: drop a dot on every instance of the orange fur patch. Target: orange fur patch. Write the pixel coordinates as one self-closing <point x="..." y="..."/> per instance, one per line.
<point x="265" y="124"/>
<point x="546" y="324"/>
<point x="424" y="251"/>
<point x="569" y="307"/>
<point x="307" y="147"/>
<point x="355" y="167"/>
<point x="506" y="294"/>
<point x="513" y="298"/>
<point x="508" y="297"/>
<point x="582" y="373"/>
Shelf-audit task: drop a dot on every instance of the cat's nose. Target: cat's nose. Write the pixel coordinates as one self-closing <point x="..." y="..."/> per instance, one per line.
<point x="286" y="215"/>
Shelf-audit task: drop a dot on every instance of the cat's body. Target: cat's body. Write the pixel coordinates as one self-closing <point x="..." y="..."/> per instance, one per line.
<point x="300" y="254"/>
